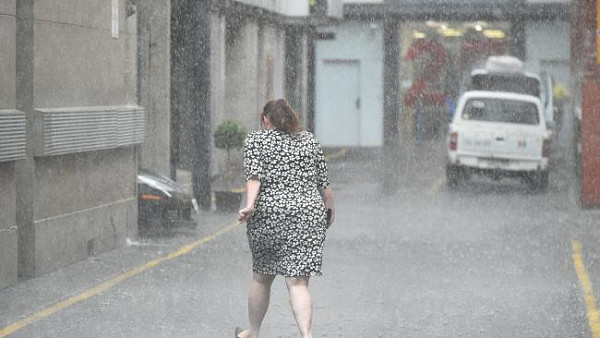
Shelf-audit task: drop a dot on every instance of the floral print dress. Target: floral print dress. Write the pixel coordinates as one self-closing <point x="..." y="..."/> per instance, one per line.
<point x="286" y="232"/>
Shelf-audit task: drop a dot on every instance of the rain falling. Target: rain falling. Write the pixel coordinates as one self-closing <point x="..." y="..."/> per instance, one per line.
<point x="184" y="168"/>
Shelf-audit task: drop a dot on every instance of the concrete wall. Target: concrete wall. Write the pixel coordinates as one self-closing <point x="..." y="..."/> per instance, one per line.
<point x="84" y="203"/>
<point x="296" y="77"/>
<point x="7" y="53"/>
<point x="8" y="221"/>
<point x="242" y="101"/>
<point x="218" y="77"/>
<point x="77" y="61"/>
<point x="548" y="48"/>
<point x="8" y="230"/>
<point x="72" y="56"/>
<point x="154" y="81"/>
<point x="248" y="67"/>
<point x="272" y="62"/>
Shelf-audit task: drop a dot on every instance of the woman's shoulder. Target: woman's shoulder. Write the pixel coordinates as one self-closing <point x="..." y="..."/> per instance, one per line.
<point x="263" y="136"/>
<point x="305" y="134"/>
<point x="255" y="135"/>
<point x="308" y="137"/>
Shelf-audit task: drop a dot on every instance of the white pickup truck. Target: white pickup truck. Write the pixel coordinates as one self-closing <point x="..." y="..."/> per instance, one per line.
<point x="507" y="74"/>
<point x="498" y="134"/>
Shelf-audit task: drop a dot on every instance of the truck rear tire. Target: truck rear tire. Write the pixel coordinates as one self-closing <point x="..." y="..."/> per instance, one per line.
<point x="538" y="180"/>
<point x="453" y="177"/>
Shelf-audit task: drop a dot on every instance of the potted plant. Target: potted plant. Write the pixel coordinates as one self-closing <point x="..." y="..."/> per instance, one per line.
<point x="229" y="136"/>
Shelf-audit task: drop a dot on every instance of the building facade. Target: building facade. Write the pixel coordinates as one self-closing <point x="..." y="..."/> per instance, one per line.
<point x="228" y="59"/>
<point x="402" y="51"/>
<point x="70" y="132"/>
<point x="91" y="91"/>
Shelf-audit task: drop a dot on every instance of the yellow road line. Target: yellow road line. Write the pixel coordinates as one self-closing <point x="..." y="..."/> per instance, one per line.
<point x="110" y="283"/>
<point x="435" y="186"/>
<point x="588" y="291"/>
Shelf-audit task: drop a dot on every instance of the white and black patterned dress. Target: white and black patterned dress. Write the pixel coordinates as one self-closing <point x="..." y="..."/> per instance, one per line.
<point x="287" y="230"/>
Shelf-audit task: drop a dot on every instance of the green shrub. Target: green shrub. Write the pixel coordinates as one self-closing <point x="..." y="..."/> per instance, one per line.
<point x="229" y="135"/>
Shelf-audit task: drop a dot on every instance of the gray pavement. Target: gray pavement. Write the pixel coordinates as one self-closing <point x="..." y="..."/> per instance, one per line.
<point x="406" y="258"/>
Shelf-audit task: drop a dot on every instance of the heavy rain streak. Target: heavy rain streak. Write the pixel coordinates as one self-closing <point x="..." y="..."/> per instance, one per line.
<point x="185" y="168"/>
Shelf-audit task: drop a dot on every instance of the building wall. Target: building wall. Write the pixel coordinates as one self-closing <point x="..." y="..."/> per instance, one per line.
<point x="548" y="48"/>
<point x="254" y="72"/>
<point x="84" y="203"/>
<point x="154" y="79"/>
<point x="270" y="62"/>
<point x="8" y="221"/>
<point x="242" y="72"/>
<point x="218" y="62"/>
<point x="8" y="230"/>
<point x="361" y="41"/>
<point x="76" y="62"/>
<point x="72" y="43"/>
<point x="242" y="52"/>
<point x="7" y="53"/>
<point x="296" y="77"/>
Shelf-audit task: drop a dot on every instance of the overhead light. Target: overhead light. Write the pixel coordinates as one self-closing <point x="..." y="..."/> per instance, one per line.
<point x="494" y="33"/>
<point x="450" y="32"/>
<point x="419" y="35"/>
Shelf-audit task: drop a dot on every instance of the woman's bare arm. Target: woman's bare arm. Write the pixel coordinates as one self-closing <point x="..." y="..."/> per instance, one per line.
<point x="252" y="188"/>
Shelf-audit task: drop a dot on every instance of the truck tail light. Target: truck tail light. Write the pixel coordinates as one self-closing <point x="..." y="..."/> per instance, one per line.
<point x="546" y="148"/>
<point x="452" y="144"/>
<point x="150" y="197"/>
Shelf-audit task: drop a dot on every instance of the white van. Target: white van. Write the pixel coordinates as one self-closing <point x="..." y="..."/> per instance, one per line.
<point x="498" y="134"/>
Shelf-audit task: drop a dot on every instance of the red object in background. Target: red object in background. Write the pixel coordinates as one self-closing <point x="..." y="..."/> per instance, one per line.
<point x="590" y="142"/>
<point x="439" y="57"/>
<point x="419" y="89"/>
<point x="422" y="86"/>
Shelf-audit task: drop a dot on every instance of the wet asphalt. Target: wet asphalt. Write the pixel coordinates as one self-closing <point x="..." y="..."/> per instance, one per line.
<point x="407" y="257"/>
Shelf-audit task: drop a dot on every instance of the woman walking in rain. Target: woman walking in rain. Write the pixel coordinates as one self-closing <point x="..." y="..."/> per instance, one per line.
<point x="289" y="207"/>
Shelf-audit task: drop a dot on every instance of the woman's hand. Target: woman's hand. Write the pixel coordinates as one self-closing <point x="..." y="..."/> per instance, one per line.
<point x="245" y="213"/>
<point x="252" y="189"/>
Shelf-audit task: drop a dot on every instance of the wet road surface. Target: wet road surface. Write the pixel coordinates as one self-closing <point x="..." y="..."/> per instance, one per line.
<point x="407" y="257"/>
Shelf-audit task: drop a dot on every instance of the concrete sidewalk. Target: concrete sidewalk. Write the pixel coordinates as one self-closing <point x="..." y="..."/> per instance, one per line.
<point x="24" y="299"/>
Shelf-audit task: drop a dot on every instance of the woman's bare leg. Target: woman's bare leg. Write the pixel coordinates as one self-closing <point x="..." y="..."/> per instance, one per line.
<point x="258" y="303"/>
<point x="301" y="302"/>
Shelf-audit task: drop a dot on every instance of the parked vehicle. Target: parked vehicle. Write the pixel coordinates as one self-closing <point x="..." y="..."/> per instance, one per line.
<point x="507" y="74"/>
<point x="162" y="201"/>
<point x="498" y="134"/>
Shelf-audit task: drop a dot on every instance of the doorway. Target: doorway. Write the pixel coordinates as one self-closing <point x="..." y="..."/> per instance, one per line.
<point x="338" y="106"/>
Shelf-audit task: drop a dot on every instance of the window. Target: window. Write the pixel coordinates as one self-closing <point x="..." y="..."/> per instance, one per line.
<point x="507" y="83"/>
<point x="501" y="110"/>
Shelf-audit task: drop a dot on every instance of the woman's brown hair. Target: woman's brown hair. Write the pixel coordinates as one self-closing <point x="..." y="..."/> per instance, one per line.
<point x="282" y="116"/>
